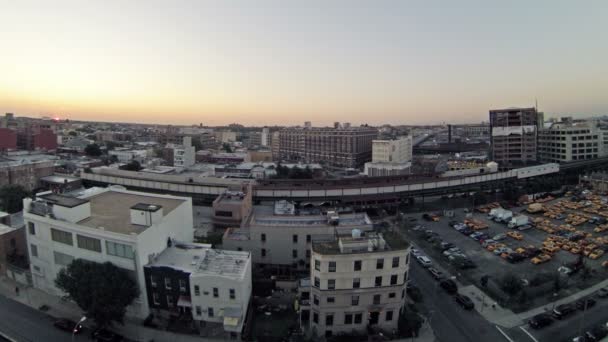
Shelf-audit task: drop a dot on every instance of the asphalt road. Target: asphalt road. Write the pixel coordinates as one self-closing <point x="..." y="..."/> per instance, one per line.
<point x="24" y="324"/>
<point x="449" y="321"/>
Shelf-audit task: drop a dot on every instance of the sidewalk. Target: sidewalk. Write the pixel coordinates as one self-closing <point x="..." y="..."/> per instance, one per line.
<point x="59" y="308"/>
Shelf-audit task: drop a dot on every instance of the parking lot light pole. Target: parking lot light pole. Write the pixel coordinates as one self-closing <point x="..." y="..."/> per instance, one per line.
<point x="84" y="318"/>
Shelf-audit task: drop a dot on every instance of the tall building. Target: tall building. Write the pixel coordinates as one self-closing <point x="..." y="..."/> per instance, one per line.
<point x="570" y="140"/>
<point x="390" y="157"/>
<point x="339" y="146"/>
<point x="184" y="155"/>
<point x="275" y="146"/>
<point x="265" y="137"/>
<point x="123" y="227"/>
<point x="356" y="282"/>
<point x="513" y="135"/>
<point x="8" y="139"/>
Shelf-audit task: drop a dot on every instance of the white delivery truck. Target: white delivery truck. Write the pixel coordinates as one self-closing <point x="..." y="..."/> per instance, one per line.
<point x="519" y="221"/>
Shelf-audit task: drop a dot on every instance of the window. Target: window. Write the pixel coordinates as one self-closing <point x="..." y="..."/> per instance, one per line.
<point x="155" y="298"/>
<point x="377" y="299"/>
<point x="62" y="259"/>
<point x="216" y="292"/>
<point x="389" y="315"/>
<point x="391" y="295"/>
<point x="348" y="319"/>
<point x="308" y="238"/>
<point x="356" y="283"/>
<point x="378" y="281"/>
<point x="232" y="294"/>
<point x="294" y="253"/>
<point x="308" y="254"/>
<point x="354" y="300"/>
<point x="153" y="281"/>
<point x="358" y="318"/>
<point x="119" y="250"/>
<point x="331" y="284"/>
<point x="168" y="283"/>
<point x="331" y="299"/>
<point x="210" y="312"/>
<point x="197" y="290"/>
<point x="198" y="310"/>
<point x="315" y="317"/>
<point x="263" y="237"/>
<point x="395" y="262"/>
<point x="170" y="301"/>
<point x="61" y="236"/>
<point x="329" y="320"/>
<point x="332" y="266"/>
<point x="31" y="228"/>
<point x="357" y="265"/>
<point x="295" y="238"/>
<point x="315" y="299"/>
<point x="317" y="282"/>
<point x="182" y="285"/>
<point x="318" y="265"/>
<point x="379" y="264"/>
<point x="394" y="279"/>
<point x="34" y="250"/>
<point x="86" y="242"/>
<point x="263" y="252"/>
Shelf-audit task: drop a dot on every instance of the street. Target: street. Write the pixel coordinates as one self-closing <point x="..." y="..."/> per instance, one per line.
<point x="25" y="324"/>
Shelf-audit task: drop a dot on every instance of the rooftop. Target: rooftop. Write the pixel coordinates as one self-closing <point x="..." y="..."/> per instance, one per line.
<point x="59" y="179"/>
<point x="111" y="210"/>
<point x="286" y="221"/>
<point x="201" y="259"/>
<point x="370" y="243"/>
<point x="62" y="200"/>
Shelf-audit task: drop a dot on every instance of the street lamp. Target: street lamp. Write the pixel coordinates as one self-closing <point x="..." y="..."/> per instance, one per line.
<point x="84" y="318"/>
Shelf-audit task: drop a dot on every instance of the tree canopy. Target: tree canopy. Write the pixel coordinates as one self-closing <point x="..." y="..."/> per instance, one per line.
<point x="12" y="198"/>
<point x="92" y="150"/>
<point x="133" y="165"/>
<point x="102" y="291"/>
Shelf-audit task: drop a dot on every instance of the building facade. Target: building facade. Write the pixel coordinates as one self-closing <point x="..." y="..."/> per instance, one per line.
<point x="232" y="207"/>
<point x="513" y="135"/>
<point x="356" y="283"/>
<point x="570" y="140"/>
<point x="184" y="155"/>
<point x="123" y="227"/>
<point x="341" y="146"/>
<point x="24" y="173"/>
<point x="390" y="157"/>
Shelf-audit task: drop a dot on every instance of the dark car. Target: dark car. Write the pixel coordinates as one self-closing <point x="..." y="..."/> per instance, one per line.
<point x="540" y="321"/>
<point x="427" y="217"/>
<point x="68" y="325"/>
<point x="467" y="231"/>
<point x="563" y="310"/>
<point x="515" y="258"/>
<point x="583" y="304"/>
<point x="452" y="223"/>
<point x="449" y="286"/>
<point x="104" y="335"/>
<point x="597" y="333"/>
<point x="464" y="301"/>
<point x="446" y="245"/>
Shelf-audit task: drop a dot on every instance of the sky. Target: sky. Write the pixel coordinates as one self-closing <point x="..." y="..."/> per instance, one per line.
<point x="286" y="62"/>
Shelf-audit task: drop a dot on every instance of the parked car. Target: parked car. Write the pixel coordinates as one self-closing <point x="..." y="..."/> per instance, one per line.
<point x="464" y="301"/>
<point x="524" y="227"/>
<point x="486" y="243"/>
<point x="437" y="274"/>
<point x="104" y="335"/>
<point x="585" y="303"/>
<point x="452" y="223"/>
<point x="603" y="292"/>
<point x="467" y="231"/>
<point x="515" y="258"/>
<point x="540" y="321"/>
<point x="68" y="325"/>
<point x="446" y="245"/>
<point x="499" y="237"/>
<point x="416" y="252"/>
<point x="449" y="286"/>
<point x="424" y="261"/>
<point x="563" y="310"/>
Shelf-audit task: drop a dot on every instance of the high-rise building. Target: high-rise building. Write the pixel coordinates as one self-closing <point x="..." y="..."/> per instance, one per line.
<point x="514" y="133"/>
<point x="390" y="157"/>
<point x="570" y="140"/>
<point x="265" y="137"/>
<point x="339" y="146"/>
<point x="275" y="146"/>
<point x="184" y="155"/>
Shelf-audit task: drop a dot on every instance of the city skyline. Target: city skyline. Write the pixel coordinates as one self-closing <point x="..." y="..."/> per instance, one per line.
<point x="282" y="64"/>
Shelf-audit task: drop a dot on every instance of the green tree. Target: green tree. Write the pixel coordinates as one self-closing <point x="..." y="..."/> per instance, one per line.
<point x="110" y="145"/>
<point x="227" y="147"/>
<point x="511" y="284"/>
<point x="92" y="150"/>
<point x="102" y="291"/>
<point x="12" y="197"/>
<point x="409" y="323"/>
<point x="73" y="133"/>
<point x="133" y="165"/>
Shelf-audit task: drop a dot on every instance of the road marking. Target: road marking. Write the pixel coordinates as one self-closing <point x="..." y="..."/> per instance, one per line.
<point x="504" y="334"/>
<point x="3" y="335"/>
<point x="528" y="333"/>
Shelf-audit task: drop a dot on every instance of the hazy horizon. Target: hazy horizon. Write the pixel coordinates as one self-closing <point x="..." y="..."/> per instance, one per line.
<point x="276" y="63"/>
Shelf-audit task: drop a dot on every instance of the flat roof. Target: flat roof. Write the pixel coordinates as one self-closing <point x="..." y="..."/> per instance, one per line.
<point x="111" y="210"/>
<point x="393" y="242"/>
<point x="201" y="259"/>
<point x="64" y="201"/>
<point x="59" y="179"/>
<point x="345" y="220"/>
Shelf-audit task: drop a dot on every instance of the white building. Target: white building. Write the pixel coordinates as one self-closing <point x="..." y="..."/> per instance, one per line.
<point x="184" y="155"/>
<point x="123" y="227"/>
<point x="460" y="168"/>
<point x="265" y="137"/>
<point x="570" y="140"/>
<point x="390" y="157"/>
<point x="214" y="286"/>
<point x="356" y="282"/>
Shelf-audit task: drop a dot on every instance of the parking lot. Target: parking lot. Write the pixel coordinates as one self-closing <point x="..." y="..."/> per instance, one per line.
<point x="539" y="280"/>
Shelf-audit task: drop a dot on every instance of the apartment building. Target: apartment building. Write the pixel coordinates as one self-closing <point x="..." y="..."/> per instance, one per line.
<point x="282" y="242"/>
<point x="210" y="286"/>
<point x="341" y="146"/>
<point x="184" y="155"/>
<point x="390" y="157"/>
<point x="231" y="207"/>
<point x="513" y="135"/>
<point x="357" y="281"/>
<point x="25" y="172"/>
<point x="126" y="228"/>
<point x="570" y="140"/>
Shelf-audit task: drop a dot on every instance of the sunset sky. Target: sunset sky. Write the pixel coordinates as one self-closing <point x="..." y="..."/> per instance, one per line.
<point x="285" y="62"/>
